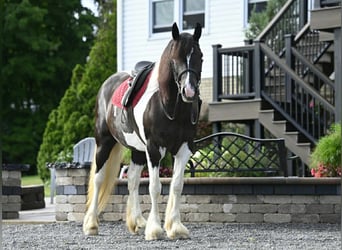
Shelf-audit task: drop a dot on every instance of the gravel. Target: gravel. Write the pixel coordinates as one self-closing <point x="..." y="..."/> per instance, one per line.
<point x="203" y="236"/>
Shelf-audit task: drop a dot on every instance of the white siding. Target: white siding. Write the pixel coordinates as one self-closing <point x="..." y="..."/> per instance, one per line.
<point x="225" y="26"/>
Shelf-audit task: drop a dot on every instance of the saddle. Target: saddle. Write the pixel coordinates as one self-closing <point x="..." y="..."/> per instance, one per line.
<point x="139" y="74"/>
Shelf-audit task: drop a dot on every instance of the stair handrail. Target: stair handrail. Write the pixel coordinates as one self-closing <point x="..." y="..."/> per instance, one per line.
<point x="308" y="90"/>
<point x="314" y="69"/>
<point x="295" y="77"/>
<point x="279" y="16"/>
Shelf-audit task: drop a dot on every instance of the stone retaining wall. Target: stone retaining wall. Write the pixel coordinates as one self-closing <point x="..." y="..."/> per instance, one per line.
<point x="239" y="200"/>
<point x="11" y="190"/>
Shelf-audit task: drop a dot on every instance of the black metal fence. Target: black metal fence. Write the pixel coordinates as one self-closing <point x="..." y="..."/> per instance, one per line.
<point x="232" y="154"/>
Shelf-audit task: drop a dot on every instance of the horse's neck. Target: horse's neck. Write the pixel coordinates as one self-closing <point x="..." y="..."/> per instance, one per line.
<point x="167" y="87"/>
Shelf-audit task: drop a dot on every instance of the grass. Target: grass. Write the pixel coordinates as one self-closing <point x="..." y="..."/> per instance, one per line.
<point x="35" y="180"/>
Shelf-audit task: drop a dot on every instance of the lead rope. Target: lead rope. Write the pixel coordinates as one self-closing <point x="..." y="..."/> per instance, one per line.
<point x="174" y="109"/>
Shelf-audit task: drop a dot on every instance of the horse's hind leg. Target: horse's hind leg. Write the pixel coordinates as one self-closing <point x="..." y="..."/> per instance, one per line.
<point x="104" y="171"/>
<point x="134" y="219"/>
<point x="173" y="225"/>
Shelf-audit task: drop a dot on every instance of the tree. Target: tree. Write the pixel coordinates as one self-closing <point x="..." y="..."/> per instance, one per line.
<point x="74" y="118"/>
<point x="259" y="20"/>
<point x="43" y="41"/>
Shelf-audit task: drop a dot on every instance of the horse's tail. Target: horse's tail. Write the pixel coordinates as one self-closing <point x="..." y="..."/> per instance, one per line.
<point x="109" y="176"/>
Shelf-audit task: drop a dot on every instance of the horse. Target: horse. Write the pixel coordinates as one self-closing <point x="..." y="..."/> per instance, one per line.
<point x="163" y="120"/>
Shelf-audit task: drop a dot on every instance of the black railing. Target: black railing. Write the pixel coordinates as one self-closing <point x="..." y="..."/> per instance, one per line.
<point x="231" y="154"/>
<point x="299" y="102"/>
<point x="233" y="73"/>
<point x="289" y="20"/>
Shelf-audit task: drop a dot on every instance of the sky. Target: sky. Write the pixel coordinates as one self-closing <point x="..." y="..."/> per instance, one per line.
<point x="90" y="5"/>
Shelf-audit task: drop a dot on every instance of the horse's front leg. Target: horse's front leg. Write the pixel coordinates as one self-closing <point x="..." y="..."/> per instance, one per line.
<point x="153" y="230"/>
<point x="173" y="225"/>
<point x="134" y="219"/>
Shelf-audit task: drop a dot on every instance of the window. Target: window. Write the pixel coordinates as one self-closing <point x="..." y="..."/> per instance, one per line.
<point x="257" y="5"/>
<point x="162" y="13"/>
<point x="185" y="12"/>
<point x="193" y="12"/>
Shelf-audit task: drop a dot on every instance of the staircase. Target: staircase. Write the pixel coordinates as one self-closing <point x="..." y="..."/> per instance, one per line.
<point x="286" y="73"/>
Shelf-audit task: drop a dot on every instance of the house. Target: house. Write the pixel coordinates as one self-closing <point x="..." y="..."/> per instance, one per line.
<point x="283" y="84"/>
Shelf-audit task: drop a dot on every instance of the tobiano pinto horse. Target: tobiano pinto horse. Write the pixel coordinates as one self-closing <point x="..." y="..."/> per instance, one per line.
<point x="163" y="120"/>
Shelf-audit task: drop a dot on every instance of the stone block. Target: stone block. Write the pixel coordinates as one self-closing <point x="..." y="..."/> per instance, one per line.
<point x="210" y="208"/>
<point x="4" y="199"/>
<point x="64" y="181"/>
<point x="249" y="199"/>
<point x="189" y="208"/>
<point x="291" y="208"/>
<point x="305" y="199"/>
<point x="330" y="218"/>
<point x="221" y="217"/>
<point x="222" y="199"/>
<point x="112" y="216"/>
<point x="330" y="199"/>
<point x="68" y="190"/>
<point x="79" y="180"/>
<point x="11" y="182"/>
<point x="264" y="208"/>
<point x="116" y="199"/>
<point x="108" y="208"/>
<point x="5" y="174"/>
<point x="11" y="207"/>
<point x="61" y="173"/>
<point x="203" y="199"/>
<point x="277" y="218"/>
<point x="78" y="172"/>
<point x="61" y="199"/>
<point x="320" y="208"/>
<point x="78" y="199"/>
<point x="14" y="175"/>
<point x="80" y="208"/>
<point x="277" y="199"/>
<point x="198" y="217"/>
<point x="75" y="216"/>
<point x="14" y="199"/>
<point x="236" y="208"/>
<point x="10" y="215"/>
<point x="337" y="209"/>
<point x="64" y="208"/>
<point x="61" y="216"/>
<point x="305" y="218"/>
<point x="249" y="218"/>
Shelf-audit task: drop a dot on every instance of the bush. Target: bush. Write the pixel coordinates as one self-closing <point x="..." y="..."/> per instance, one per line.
<point x="326" y="158"/>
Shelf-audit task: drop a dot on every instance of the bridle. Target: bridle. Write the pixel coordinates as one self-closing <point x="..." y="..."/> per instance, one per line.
<point x="179" y="93"/>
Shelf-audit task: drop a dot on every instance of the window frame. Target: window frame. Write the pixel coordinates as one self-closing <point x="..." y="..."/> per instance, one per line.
<point x="178" y="18"/>
<point x="246" y="9"/>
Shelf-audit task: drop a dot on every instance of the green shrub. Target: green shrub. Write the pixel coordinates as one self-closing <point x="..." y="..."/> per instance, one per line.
<point x="326" y="158"/>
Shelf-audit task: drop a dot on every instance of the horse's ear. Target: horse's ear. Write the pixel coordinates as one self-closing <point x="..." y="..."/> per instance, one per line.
<point x="175" y="31"/>
<point x="197" y="32"/>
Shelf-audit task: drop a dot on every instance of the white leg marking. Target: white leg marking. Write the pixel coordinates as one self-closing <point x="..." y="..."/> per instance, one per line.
<point x="90" y="222"/>
<point x="153" y="229"/>
<point x="173" y="225"/>
<point x="134" y="219"/>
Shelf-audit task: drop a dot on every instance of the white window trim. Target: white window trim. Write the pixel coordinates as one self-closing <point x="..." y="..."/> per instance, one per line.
<point x="245" y="15"/>
<point x="178" y="18"/>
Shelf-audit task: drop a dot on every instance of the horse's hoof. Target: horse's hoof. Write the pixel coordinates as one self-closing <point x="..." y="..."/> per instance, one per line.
<point x="90" y="225"/>
<point x="178" y="231"/>
<point x="91" y="231"/>
<point x="156" y="233"/>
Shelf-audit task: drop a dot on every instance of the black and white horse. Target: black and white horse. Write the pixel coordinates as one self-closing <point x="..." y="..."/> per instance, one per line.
<point x="163" y="120"/>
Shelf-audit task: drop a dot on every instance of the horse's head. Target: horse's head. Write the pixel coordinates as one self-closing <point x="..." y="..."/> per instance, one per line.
<point x="185" y="62"/>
